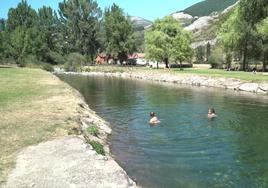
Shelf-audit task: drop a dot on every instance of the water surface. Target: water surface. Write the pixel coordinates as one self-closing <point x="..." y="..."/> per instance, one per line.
<point x="186" y="149"/>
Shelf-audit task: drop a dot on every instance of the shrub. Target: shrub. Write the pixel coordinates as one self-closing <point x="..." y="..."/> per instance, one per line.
<point x="98" y="147"/>
<point x="30" y="61"/>
<point x="55" y="58"/>
<point x="216" y="59"/>
<point x="93" y="130"/>
<point x="47" y="67"/>
<point x="74" y="62"/>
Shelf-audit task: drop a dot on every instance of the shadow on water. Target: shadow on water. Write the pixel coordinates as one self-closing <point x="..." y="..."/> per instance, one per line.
<point x="185" y="149"/>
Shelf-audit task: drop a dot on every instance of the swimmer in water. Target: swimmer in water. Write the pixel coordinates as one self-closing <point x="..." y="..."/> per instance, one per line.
<point x="211" y="113"/>
<point x="154" y="119"/>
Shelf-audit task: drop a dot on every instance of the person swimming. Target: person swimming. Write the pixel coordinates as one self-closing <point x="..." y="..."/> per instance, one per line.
<point x="211" y="113"/>
<point x="154" y="119"/>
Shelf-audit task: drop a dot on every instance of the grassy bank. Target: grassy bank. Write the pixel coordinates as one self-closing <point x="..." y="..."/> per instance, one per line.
<point x="34" y="106"/>
<point x="246" y="76"/>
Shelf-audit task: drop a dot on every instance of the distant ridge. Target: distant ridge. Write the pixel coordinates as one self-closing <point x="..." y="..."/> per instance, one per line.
<point x="205" y="8"/>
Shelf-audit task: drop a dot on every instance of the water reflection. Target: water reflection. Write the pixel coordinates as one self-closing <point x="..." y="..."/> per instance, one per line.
<point x="186" y="149"/>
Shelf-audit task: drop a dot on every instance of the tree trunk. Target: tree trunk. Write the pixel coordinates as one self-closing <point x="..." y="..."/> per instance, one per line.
<point x="264" y="63"/>
<point x="245" y="53"/>
<point x="166" y="62"/>
<point x="181" y="65"/>
<point x="157" y="65"/>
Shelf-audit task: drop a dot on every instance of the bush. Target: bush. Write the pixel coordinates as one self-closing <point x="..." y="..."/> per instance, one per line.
<point x="93" y="130"/>
<point x="30" y="61"/>
<point x="216" y="59"/>
<point x="55" y="58"/>
<point x="47" y="67"/>
<point x="74" y="62"/>
<point x="98" y="147"/>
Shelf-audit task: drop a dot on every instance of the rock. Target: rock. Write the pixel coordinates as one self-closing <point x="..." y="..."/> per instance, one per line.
<point x="261" y="91"/>
<point x="200" y="23"/>
<point x="263" y="87"/>
<point x="232" y="85"/>
<point x="65" y="163"/>
<point x="249" y="87"/>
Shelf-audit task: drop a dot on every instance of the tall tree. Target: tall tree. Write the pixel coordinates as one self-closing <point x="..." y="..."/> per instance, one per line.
<point x="166" y="41"/>
<point x="47" y="33"/>
<point x="181" y="50"/>
<point x="19" y="38"/>
<point x="19" y="44"/>
<point x="200" y="54"/>
<point x="2" y="30"/>
<point x="239" y="31"/>
<point x="119" y="34"/>
<point x="80" y="20"/>
<point x="21" y="16"/>
<point x="234" y="35"/>
<point x="262" y="29"/>
<point x="208" y="51"/>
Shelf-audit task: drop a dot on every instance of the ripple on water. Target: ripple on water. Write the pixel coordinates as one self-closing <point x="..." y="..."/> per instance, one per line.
<point x="185" y="149"/>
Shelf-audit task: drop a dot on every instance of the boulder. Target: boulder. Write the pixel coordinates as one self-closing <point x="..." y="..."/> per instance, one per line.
<point x="249" y="87"/>
<point x="263" y="87"/>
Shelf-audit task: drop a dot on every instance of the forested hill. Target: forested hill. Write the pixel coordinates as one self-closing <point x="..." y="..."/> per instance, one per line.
<point x="205" y="8"/>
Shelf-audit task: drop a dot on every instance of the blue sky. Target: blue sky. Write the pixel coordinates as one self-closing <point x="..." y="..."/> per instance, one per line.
<point x="148" y="9"/>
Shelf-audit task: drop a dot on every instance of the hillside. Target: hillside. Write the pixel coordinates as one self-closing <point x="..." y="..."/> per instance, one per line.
<point x="140" y="23"/>
<point x="205" y="28"/>
<point x="205" y="8"/>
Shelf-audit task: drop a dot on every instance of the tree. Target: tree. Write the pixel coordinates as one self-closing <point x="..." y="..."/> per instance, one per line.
<point x="181" y="49"/>
<point x="19" y="32"/>
<point x="252" y="12"/>
<point x="234" y="34"/>
<point x="47" y="36"/>
<point x="166" y="41"/>
<point x="208" y="51"/>
<point x="2" y="25"/>
<point x="200" y="54"/>
<point x="21" y="16"/>
<point x="80" y="20"/>
<point x="19" y="44"/>
<point x="119" y="34"/>
<point x="262" y="29"/>
<point x="238" y="33"/>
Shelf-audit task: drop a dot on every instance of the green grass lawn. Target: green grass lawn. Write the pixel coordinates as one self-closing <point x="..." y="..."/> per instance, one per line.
<point x="246" y="76"/>
<point x="34" y="106"/>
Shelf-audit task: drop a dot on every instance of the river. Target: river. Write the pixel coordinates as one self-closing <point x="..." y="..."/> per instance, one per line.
<point x="186" y="149"/>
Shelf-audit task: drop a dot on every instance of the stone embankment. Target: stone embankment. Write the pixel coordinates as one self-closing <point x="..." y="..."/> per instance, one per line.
<point x="194" y="80"/>
<point x="69" y="161"/>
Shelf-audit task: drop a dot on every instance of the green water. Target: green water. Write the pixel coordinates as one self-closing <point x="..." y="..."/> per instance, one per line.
<point x="186" y="149"/>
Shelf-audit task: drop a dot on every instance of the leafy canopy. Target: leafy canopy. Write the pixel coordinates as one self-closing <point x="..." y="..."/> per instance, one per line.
<point x="119" y="34"/>
<point x="167" y="40"/>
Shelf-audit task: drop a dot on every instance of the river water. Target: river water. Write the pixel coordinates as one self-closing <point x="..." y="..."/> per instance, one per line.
<point x="186" y="149"/>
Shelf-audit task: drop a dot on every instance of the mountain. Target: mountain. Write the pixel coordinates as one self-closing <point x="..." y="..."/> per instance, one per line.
<point x="140" y="23"/>
<point x="205" y="28"/>
<point x="205" y="8"/>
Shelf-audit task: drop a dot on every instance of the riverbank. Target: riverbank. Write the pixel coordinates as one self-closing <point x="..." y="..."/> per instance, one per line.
<point x="44" y="130"/>
<point x="253" y="83"/>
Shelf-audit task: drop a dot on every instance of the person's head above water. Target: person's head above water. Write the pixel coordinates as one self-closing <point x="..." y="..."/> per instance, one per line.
<point x="153" y="118"/>
<point x="211" y="111"/>
<point x="152" y="114"/>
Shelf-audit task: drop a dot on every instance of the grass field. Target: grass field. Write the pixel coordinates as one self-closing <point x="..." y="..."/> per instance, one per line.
<point x="246" y="76"/>
<point x="34" y="106"/>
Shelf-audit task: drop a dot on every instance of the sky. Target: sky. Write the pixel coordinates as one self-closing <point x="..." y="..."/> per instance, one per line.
<point x="148" y="9"/>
